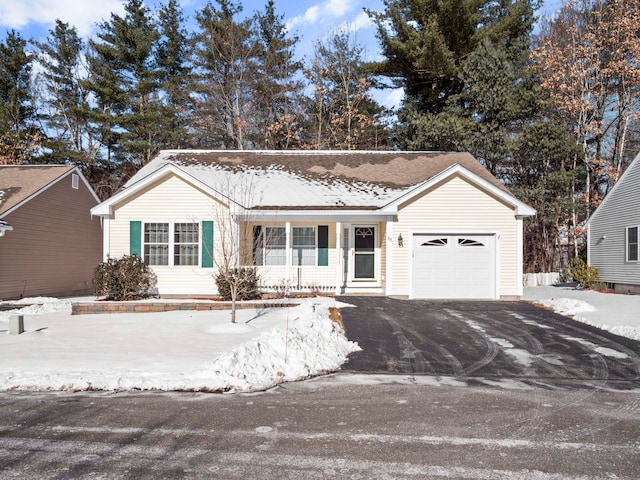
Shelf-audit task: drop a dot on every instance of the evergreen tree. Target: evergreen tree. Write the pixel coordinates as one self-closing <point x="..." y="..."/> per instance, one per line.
<point x="175" y="70"/>
<point x="126" y="83"/>
<point x="19" y="137"/>
<point x="16" y="109"/>
<point x="426" y="44"/>
<point x="66" y="117"/>
<point x="277" y="92"/>
<point x="224" y="62"/>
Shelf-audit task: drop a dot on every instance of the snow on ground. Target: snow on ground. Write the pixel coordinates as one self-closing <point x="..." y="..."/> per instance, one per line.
<point x="203" y="350"/>
<point x="179" y="350"/>
<point x="619" y="314"/>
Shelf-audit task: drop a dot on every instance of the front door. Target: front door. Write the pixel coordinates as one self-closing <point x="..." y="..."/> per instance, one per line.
<point x="364" y="243"/>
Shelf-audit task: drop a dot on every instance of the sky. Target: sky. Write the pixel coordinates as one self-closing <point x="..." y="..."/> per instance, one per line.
<point x="311" y="20"/>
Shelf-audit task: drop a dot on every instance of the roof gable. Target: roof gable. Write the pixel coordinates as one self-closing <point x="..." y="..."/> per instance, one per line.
<point x="20" y="183"/>
<point x="632" y="170"/>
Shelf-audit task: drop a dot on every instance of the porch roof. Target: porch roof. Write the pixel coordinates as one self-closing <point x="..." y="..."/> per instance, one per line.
<point x="312" y="180"/>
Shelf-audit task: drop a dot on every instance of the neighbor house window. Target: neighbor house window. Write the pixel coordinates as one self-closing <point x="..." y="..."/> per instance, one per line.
<point x="632" y="244"/>
<point x="304" y="246"/>
<point x="185" y="244"/>
<point x="156" y="243"/>
<point x="269" y="245"/>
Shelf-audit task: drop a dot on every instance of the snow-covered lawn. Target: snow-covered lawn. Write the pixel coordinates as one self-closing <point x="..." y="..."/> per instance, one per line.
<point x="179" y="350"/>
<point x="189" y="350"/>
<point x="619" y="314"/>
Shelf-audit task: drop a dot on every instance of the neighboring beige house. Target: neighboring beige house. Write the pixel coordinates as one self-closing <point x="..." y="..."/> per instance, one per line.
<point x="419" y="225"/>
<point x="613" y="238"/>
<point x="49" y="243"/>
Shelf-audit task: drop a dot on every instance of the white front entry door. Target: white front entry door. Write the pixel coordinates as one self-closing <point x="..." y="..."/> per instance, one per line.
<point x="453" y="266"/>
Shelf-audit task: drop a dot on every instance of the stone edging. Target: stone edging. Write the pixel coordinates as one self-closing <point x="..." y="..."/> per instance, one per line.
<point x="85" y="308"/>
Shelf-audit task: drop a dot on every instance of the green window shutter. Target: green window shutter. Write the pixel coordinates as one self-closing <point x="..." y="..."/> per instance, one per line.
<point x="207" y="244"/>
<point x="135" y="238"/>
<point x="323" y="245"/>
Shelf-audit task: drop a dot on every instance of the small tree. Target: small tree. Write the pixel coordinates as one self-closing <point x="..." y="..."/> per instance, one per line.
<point x="126" y="278"/>
<point x="231" y="222"/>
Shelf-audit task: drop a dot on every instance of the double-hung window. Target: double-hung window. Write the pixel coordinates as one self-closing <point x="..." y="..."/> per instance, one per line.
<point x="179" y="242"/>
<point x="185" y="244"/>
<point x="269" y="246"/>
<point x="156" y="243"/>
<point x="304" y="246"/>
<point x="632" y="244"/>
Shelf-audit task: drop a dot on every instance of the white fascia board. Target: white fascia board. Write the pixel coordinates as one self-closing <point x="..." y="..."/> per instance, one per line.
<point x="87" y="184"/>
<point x="521" y="208"/>
<point x="105" y="209"/>
<point x="620" y="180"/>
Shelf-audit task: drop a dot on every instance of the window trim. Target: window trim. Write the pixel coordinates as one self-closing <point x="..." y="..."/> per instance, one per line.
<point x="260" y="243"/>
<point x="294" y="262"/>
<point x="628" y="244"/>
<point x="172" y="243"/>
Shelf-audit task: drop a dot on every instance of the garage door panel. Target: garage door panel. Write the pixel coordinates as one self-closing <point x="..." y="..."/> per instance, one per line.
<point x="453" y="266"/>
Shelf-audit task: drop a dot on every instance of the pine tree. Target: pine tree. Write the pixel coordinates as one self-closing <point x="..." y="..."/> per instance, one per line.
<point x="277" y="92"/>
<point x="224" y="62"/>
<point x="125" y="81"/>
<point x="175" y="70"/>
<point x="66" y="116"/>
<point x="19" y="136"/>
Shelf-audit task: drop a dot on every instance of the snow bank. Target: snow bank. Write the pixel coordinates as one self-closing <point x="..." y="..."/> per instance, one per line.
<point x="310" y="344"/>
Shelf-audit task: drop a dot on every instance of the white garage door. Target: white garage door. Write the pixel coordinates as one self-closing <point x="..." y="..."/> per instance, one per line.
<point x="453" y="266"/>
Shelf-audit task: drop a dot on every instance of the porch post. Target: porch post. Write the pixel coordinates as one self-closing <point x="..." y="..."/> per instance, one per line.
<point x="287" y="249"/>
<point x="388" y="268"/>
<point x="339" y="266"/>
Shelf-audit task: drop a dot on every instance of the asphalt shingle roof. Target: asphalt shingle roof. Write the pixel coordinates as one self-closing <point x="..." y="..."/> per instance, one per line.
<point x="19" y="182"/>
<point x="314" y="179"/>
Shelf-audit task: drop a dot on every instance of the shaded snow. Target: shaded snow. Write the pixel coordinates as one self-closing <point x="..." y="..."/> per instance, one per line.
<point x="615" y="313"/>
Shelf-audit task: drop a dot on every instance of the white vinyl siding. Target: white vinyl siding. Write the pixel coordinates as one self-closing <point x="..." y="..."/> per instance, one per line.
<point x="608" y="249"/>
<point x="457" y="206"/>
<point x="173" y="201"/>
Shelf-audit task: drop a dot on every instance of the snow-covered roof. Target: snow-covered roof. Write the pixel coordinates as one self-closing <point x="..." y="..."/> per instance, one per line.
<point x="312" y="180"/>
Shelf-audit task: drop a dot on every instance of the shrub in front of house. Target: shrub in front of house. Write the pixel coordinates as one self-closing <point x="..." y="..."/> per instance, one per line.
<point x="244" y="280"/>
<point x="578" y="270"/>
<point x="125" y="278"/>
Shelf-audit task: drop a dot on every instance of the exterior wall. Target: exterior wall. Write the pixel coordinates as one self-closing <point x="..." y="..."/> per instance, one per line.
<point x="55" y="245"/>
<point x="456" y="206"/>
<point x="171" y="200"/>
<point x="607" y="230"/>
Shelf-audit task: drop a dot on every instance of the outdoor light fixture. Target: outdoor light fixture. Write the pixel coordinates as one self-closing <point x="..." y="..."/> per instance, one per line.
<point x="400" y="240"/>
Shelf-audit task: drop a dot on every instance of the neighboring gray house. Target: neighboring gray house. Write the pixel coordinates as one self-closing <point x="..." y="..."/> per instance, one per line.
<point x="49" y="243"/>
<point x="614" y="231"/>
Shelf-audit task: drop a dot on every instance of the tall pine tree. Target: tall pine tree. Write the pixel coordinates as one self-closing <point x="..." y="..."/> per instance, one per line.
<point x="125" y="80"/>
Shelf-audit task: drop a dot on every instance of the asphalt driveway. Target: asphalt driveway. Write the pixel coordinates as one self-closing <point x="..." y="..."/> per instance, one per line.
<point x="486" y="341"/>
